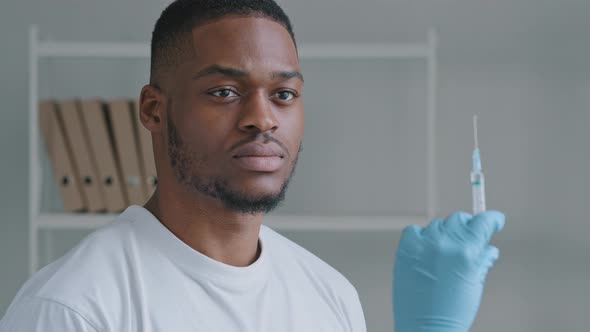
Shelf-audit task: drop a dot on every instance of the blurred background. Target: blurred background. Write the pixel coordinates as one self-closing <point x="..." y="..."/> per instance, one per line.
<point x="520" y="65"/>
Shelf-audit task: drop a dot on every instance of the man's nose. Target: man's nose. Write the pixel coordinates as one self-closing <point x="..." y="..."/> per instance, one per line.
<point x="257" y="114"/>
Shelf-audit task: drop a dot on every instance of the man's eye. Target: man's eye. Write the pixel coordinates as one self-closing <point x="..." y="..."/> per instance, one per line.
<point x="222" y="93"/>
<point x="285" y="95"/>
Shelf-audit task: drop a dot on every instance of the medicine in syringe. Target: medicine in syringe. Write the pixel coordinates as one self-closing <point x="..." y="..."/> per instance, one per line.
<point x="477" y="178"/>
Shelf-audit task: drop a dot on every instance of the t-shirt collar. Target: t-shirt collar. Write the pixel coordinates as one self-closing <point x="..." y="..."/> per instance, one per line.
<point x="196" y="264"/>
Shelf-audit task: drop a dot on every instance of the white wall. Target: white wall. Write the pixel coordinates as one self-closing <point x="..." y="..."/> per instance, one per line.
<point x="520" y="65"/>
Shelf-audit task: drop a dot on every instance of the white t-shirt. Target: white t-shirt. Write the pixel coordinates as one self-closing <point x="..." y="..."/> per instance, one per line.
<point x="135" y="275"/>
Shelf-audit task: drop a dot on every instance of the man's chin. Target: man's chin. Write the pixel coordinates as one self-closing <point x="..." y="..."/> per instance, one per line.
<point x="251" y="204"/>
<point x="251" y="199"/>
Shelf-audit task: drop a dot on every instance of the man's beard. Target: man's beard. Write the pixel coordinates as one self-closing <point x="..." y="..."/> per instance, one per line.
<point x="183" y="161"/>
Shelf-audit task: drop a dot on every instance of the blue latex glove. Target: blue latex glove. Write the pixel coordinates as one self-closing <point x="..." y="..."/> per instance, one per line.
<point x="440" y="271"/>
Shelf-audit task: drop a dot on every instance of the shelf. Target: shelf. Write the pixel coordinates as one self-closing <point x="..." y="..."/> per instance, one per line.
<point x="54" y="221"/>
<point x="364" y="51"/>
<point x="86" y="49"/>
<point x="40" y="49"/>
<point x="306" y="51"/>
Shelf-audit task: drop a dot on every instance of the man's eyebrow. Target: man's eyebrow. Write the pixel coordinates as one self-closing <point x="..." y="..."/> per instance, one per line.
<point x="287" y="74"/>
<point x="234" y="72"/>
<point x="217" y="69"/>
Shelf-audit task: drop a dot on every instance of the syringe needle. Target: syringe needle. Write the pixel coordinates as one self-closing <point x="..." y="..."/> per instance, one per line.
<point x="475" y="131"/>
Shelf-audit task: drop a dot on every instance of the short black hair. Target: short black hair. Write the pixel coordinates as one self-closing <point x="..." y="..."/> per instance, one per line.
<point x="173" y="29"/>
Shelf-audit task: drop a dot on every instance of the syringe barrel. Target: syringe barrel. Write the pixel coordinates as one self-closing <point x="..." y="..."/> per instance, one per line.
<point x="478" y="192"/>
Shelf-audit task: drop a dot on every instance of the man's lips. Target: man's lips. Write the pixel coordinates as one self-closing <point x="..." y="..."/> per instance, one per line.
<point x="259" y="150"/>
<point x="258" y="163"/>
<point x="259" y="157"/>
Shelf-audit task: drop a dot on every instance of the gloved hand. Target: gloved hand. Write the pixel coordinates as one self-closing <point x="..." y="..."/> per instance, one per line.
<point x="440" y="271"/>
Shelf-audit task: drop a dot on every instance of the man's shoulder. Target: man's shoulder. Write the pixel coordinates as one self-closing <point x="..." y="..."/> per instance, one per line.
<point x="87" y="270"/>
<point x="313" y="266"/>
<point x="38" y="314"/>
<point x="308" y="274"/>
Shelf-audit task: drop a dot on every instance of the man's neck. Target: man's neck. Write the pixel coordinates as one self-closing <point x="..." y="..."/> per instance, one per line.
<point x="224" y="236"/>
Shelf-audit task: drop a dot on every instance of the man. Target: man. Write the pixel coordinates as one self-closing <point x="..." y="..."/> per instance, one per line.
<point x="224" y="109"/>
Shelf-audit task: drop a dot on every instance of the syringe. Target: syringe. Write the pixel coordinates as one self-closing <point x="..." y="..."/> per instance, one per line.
<point x="477" y="179"/>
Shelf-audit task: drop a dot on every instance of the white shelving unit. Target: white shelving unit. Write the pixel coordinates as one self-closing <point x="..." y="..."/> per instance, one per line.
<point x="39" y="49"/>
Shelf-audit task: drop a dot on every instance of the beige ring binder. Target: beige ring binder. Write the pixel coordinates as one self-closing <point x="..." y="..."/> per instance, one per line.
<point x="127" y="149"/>
<point x="96" y="121"/>
<point x="64" y="168"/>
<point x="82" y="153"/>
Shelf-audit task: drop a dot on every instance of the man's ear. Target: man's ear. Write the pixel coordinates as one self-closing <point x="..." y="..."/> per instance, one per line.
<point x="151" y="108"/>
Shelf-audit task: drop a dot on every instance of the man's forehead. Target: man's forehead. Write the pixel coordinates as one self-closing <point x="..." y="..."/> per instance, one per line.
<point x="237" y="23"/>
<point x="243" y="36"/>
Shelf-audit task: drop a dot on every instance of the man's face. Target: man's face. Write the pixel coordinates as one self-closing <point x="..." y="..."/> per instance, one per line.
<point x="235" y="116"/>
